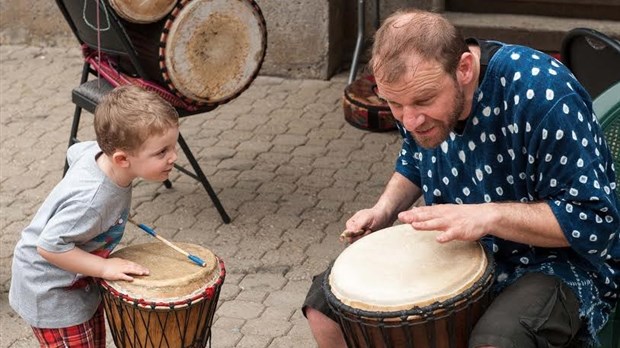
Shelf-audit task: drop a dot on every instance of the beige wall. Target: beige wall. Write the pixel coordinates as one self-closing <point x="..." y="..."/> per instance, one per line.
<point x="306" y="39"/>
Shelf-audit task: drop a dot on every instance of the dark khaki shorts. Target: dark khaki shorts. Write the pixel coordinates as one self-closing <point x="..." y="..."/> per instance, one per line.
<point x="316" y="298"/>
<point x="537" y="311"/>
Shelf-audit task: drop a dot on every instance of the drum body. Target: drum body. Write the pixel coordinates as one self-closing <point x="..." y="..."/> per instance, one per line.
<point x="171" y="307"/>
<point x="205" y="51"/>
<point x="398" y="287"/>
<point x="364" y="109"/>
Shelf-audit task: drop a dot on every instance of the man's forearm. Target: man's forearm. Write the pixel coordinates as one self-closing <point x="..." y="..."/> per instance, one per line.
<point x="526" y="223"/>
<point x="399" y="194"/>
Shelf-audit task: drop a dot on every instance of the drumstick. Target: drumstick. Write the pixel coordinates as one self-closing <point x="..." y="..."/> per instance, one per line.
<point x="344" y="236"/>
<point x="195" y="259"/>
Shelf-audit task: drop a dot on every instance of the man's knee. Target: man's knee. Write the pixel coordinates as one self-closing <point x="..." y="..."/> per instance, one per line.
<point x="326" y="332"/>
<point x="536" y="311"/>
<point x="316" y="317"/>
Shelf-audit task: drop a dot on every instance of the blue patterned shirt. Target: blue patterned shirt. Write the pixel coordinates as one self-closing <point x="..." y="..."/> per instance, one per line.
<point x="532" y="136"/>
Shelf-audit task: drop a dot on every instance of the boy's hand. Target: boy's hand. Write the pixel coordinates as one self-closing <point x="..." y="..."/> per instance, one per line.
<point x="120" y="269"/>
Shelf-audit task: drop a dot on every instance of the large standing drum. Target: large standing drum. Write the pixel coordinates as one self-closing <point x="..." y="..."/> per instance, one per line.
<point x="171" y="307"/>
<point x="398" y="287"/>
<point x="205" y="51"/>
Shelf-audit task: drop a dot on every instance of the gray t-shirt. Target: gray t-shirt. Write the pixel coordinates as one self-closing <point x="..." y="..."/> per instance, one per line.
<point x="85" y="210"/>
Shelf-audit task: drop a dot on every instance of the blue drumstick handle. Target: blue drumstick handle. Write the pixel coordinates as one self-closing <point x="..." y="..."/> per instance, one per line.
<point x="147" y="229"/>
<point x="193" y="258"/>
<point x="197" y="260"/>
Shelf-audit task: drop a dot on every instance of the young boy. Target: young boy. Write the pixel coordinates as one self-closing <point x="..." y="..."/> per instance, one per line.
<point x="81" y="221"/>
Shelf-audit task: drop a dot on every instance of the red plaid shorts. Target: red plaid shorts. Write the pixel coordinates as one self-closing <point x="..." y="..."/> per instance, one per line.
<point x="90" y="334"/>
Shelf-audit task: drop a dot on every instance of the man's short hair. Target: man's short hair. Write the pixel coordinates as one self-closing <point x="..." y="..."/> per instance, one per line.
<point x="411" y="35"/>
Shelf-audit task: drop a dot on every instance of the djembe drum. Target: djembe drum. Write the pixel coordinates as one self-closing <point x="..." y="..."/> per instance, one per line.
<point x="207" y="52"/>
<point x="171" y="307"/>
<point x="364" y="109"/>
<point x="398" y="287"/>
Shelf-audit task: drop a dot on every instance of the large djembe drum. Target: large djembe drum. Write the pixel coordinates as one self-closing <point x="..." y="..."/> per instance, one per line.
<point x="173" y="306"/>
<point x="207" y="52"/>
<point x="399" y="288"/>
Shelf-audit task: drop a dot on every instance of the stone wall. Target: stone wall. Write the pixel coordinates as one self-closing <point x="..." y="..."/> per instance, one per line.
<point x="306" y="39"/>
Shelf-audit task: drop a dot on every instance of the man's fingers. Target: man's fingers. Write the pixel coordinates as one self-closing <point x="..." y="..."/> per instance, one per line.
<point x="419" y="214"/>
<point x="444" y="237"/>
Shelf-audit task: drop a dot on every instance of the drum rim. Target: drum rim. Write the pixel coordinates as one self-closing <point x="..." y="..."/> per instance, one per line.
<point x="133" y="17"/>
<point x="162" y="56"/>
<point x="206" y="293"/>
<point x="483" y="283"/>
<point x="381" y="108"/>
<point x="349" y="99"/>
<point x="377" y="114"/>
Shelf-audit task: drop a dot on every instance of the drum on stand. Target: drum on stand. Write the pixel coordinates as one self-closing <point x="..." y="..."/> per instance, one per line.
<point x="205" y="51"/>
<point x="364" y="109"/>
<point x="171" y="307"/>
<point x="398" y="287"/>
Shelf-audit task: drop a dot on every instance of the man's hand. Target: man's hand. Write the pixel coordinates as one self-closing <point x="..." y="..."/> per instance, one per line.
<point x="363" y="223"/>
<point x="467" y="222"/>
<point x="526" y="223"/>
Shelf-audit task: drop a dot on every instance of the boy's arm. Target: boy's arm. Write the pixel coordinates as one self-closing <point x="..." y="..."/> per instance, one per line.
<point x="79" y="261"/>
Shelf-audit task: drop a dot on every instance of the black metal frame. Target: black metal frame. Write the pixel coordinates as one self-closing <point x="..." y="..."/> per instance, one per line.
<point x="87" y="95"/>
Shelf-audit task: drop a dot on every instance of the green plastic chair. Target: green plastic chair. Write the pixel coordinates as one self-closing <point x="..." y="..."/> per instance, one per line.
<point x="607" y="108"/>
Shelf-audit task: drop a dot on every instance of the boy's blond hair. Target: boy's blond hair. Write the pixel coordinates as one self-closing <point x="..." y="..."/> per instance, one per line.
<point x="128" y="115"/>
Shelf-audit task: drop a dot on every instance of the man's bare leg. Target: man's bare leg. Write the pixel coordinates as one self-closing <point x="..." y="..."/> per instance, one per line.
<point x="327" y="333"/>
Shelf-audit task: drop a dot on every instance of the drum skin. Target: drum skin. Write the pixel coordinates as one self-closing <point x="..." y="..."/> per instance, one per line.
<point x="364" y="109"/>
<point x="391" y="290"/>
<point x="173" y="306"/>
<point x="212" y="49"/>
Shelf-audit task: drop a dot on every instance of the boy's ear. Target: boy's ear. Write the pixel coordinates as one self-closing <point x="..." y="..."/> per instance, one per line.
<point x="120" y="159"/>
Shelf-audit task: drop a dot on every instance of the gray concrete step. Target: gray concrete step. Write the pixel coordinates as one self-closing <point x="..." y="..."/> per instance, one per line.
<point x="541" y="32"/>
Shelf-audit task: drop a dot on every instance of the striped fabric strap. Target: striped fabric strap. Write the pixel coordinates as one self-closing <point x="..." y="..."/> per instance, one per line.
<point x="102" y="65"/>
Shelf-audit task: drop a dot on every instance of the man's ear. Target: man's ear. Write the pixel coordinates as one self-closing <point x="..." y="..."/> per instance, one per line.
<point x="466" y="69"/>
<point x="120" y="159"/>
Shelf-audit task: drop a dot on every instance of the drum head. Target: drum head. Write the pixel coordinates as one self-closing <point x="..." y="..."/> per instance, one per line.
<point x="172" y="275"/>
<point x="399" y="268"/>
<point x="143" y="11"/>
<point x="213" y="48"/>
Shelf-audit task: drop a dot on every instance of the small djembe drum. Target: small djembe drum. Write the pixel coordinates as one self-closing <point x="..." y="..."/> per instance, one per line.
<point x="171" y="307"/>
<point x="364" y="109"/>
<point x="399" y="288"/>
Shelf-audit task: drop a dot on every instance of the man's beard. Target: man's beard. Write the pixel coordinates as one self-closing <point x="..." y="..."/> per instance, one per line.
<point x="447" y="127"/>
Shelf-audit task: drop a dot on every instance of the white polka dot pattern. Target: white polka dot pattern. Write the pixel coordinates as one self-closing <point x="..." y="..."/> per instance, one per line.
<point x="531" y="139"/>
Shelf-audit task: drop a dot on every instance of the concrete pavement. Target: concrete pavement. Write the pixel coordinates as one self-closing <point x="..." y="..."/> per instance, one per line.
<point x="286" y="166"/>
